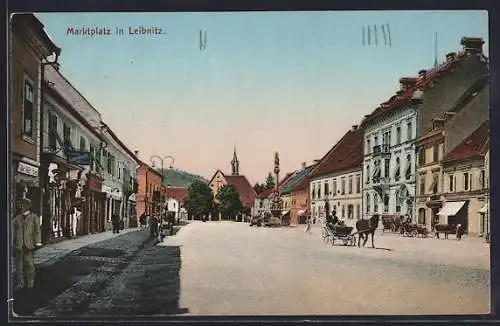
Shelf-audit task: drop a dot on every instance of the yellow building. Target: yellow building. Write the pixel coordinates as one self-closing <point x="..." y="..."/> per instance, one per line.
<point x="430" y="148"/>
<point x="465" y="189"/>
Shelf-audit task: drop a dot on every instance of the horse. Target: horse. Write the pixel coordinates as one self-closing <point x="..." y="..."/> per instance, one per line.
<point x="365" y="228"/>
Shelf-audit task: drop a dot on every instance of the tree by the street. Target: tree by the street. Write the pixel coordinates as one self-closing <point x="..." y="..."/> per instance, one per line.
<point x="270" y="181"/>
<point x="200" y="200"/>
<point x="259" y="187"/>
<point x="229" y="202"/>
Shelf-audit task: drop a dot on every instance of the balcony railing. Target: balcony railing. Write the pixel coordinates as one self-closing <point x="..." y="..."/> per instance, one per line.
<point x="381" y="149"/>
<point x="434" y="197"/>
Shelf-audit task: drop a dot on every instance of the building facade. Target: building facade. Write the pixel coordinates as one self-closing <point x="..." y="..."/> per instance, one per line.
<point x="335" y="182"/>
<point x="430" y="177"/>
<point x="73" y="176"/>
<point x="120" y="181"/>
<point x="465" y="188"/>
<point x="29" y="48"/>
<point x="389" y="159"/>
<point x="175" y="200"/>
<point x="469" y="112"/>
<point x="299" y="197"/>
<point x="391" y="130"/>
<point x="148" y="195"/>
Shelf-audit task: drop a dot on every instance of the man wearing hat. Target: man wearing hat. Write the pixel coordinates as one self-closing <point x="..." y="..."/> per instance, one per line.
<point x="26" y="238"/>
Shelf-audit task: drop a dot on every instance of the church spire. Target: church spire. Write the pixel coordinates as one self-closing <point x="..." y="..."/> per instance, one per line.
<point x="235" y="163"/>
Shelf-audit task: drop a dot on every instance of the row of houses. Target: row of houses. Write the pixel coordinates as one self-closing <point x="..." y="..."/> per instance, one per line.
<point x="423" y="154"/>
<point x="65" y="158"/>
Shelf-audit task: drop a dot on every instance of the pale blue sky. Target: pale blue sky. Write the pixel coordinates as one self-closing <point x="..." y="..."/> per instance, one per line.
<point x="288" y="81"/>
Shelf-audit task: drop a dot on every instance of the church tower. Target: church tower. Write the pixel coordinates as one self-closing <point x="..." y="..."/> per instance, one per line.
<point x="235" y="164"/>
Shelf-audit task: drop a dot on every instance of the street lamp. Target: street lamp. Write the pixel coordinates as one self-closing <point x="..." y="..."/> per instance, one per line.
<point x="161" y="162"/>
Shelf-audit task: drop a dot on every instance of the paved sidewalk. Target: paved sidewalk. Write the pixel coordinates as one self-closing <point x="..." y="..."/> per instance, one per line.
<point x="49" y="254"/>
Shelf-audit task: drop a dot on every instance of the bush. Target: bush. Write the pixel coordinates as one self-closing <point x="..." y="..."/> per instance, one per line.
<point x="132" y="222"/>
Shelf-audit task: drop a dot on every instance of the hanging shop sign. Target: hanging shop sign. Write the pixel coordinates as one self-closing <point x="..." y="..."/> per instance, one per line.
<point x="27" y="169"/>
<point x="79" y="158"/>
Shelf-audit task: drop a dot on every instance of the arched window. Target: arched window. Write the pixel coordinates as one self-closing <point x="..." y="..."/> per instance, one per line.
<point x="408" y="167"/>
<point x="397" y="173"/>
<point x="386" y="203"/>
<point x="375" y="203"/>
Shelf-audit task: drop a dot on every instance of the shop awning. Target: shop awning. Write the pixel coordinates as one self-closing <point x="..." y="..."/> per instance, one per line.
<point x="285" y="212"/>
<point x="301" y="212"/>
<point x="451" y="208"/>
<point x="484" y="209"/>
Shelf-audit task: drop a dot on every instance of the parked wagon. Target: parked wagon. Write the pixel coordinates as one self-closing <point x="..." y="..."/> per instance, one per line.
<point x="414" y="230"/>
<point x="392" y="223"/>
<point x="339" y="232"/>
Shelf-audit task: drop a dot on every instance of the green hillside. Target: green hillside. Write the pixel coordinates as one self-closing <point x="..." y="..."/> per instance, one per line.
<point x="179" y="178"/>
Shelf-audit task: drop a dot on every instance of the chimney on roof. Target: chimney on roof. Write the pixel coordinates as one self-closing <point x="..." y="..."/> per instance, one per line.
<point x="407" y="82"/>
<point x="422" y="73"/>
<point x="472" y="45"/>
<point x="136" y="153"/>
<point x="437" y="123"/>
<point x="354" y="127"/>
<point x="450" y="56"/>
<point x="448" y="116"/>
<point x="56" y="65"/>
<point x="316" y="161"/>
<point x="303" y="165"/>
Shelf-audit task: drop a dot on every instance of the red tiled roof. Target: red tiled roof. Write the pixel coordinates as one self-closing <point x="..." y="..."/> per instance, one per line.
<point x="346" y="154"/>
<point x="476" y="145"/>
<point x="264" y="194"/>
<point x="243" y="187"/>
<point x="422" y="83"/>
<point x="177" y="193"/>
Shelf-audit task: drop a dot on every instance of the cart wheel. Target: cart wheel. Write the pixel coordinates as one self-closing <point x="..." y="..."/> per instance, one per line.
<point x="413" y="233"/>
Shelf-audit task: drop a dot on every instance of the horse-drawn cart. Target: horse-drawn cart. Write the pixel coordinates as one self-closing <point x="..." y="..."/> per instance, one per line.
<point x="339" y="232"/>
<point x="392" y="223"/>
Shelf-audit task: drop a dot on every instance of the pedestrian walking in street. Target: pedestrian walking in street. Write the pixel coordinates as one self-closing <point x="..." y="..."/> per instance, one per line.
<point x="26" y="238"/>
<point x="153" y="227"/>
<point x="308" y="226"/>
<point x="115" y="221"/>
<point x="142" y="220"/>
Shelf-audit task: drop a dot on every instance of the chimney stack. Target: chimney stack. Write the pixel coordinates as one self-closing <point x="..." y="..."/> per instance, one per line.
<point x="407" y="82"/>
<point x="303" y="165"/>
<point x="472" y="45"/>
<point x="56" y="65"/>
<point x="450" y="56"/>
<point x="448" y="116"/>
<point x="136" y="152"/>
<point x="354" y="127"/>
<point x="422" y="73"/>
<point x="316" y="161"/>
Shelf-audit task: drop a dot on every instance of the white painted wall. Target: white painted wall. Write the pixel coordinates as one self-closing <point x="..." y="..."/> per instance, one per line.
<point x="401" y="148"/>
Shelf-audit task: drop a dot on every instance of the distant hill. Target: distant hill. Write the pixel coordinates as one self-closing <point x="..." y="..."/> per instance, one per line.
<point x="179" y="178"/>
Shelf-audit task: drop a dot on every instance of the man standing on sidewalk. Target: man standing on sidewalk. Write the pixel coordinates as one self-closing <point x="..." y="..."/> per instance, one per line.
<point x="26" y="238"/>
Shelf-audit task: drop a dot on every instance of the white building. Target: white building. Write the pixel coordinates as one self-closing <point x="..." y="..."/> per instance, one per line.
<point x="120" y="184"/>
<point x="120" y="166"/>
<point x="175" y="200"/>
<point x="335" y="182"/>
<point x="69" y="143"/>
<point x="389" y="155"/>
